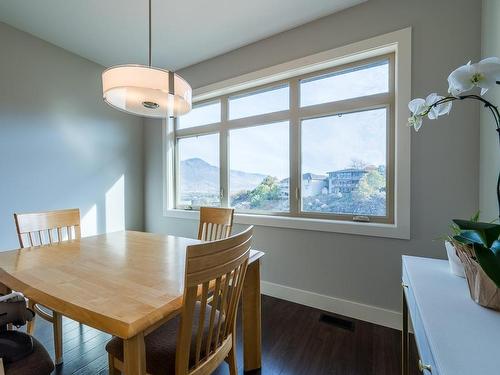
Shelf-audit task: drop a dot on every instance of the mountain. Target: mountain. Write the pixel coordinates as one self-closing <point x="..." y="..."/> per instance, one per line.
<point x="198" y="175"/>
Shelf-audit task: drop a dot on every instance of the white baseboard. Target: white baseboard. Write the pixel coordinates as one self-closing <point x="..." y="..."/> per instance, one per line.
<point x="372" y="314"/>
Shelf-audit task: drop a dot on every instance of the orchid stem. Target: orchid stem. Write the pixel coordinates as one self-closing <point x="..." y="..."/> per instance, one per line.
<point x="494" y="112"/>
<point x="498" y="180"/>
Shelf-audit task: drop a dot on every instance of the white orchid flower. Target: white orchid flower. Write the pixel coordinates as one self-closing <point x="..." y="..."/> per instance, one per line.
<point x="438" y="110"/>
<point x="415" y="121"/>
<point x="421" y="107"/>
<point x="417" y="106"/>
<point x="484" y="74"/>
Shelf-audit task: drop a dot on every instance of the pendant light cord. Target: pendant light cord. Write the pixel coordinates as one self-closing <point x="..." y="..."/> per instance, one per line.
<point x="171" y="77"/>
<point x="149" y="61"/>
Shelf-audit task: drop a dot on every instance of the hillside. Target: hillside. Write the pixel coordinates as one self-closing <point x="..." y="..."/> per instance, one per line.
<point x="198" y="175"/>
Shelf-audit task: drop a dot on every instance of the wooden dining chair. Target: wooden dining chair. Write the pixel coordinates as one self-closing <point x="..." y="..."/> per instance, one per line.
<point x="215" y="223"/>
<point x="204" y="335"/>
<point x="43" y="228"/>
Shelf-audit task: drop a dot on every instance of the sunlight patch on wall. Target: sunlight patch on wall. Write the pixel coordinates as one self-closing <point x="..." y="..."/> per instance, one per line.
<point x="115" y="206"/>
<point x="89" y="222"/>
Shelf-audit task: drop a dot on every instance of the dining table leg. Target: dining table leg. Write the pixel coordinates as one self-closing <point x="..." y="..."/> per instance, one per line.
<point x="58" y="339"/>
<point x="252" y="335"/>
<point x="134" y="355"/>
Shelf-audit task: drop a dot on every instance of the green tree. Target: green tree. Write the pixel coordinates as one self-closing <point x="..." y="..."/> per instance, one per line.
<point x="267" y="190"/>
<point x="262" y="196"/>
<point x="371" y="183"/>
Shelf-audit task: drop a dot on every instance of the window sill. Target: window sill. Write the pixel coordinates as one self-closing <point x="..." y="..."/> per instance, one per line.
<point x="322" y="225"/>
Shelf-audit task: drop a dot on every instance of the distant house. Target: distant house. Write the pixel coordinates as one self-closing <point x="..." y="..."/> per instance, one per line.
<point x="341" y="181"/>
<point x="344" y="180"/>
<point x="314" y="184"/>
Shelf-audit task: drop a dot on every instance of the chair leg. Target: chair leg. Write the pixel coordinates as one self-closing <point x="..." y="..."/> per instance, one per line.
<point x="231" y="357"/>
<point x="57" y="323"/>
<point x="111" y="365"/>
<point x="31" y="324"/>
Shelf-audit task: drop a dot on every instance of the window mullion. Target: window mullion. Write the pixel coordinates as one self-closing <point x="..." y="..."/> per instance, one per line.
<point x="224" y="153"/>
<point x="294" y="186"/>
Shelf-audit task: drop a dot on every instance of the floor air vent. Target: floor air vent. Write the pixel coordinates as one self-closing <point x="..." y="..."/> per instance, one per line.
<point x="337" y="322"/>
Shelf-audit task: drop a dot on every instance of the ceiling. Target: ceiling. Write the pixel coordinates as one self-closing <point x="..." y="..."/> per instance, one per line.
<point x="112" y="32"/>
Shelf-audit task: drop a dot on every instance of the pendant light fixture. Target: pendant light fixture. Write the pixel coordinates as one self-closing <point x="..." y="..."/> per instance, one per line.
<point x="144" y="90"/>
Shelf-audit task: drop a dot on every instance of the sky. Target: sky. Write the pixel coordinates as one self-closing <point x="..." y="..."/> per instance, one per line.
<point x="328" y="143"/>
<point x="262" y="149"/>
<point x="345" y="85"/>
<point x="331" y="143"/>
<point x="205" y="147"/>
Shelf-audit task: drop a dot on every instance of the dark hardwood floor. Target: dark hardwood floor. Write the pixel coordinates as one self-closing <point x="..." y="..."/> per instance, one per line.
<point x="295" y="342"/>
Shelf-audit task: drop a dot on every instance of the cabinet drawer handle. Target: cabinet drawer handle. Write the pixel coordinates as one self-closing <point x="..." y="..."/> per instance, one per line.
<point x="422" y="366"/>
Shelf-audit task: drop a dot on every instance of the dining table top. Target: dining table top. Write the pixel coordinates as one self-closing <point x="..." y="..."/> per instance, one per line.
<point x="121" y="282"/>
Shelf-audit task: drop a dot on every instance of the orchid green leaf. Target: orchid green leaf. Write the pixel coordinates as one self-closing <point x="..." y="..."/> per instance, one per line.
<point x="482" y="233"/>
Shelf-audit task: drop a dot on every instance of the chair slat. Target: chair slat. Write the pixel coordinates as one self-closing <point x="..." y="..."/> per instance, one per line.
<point x="222" y="307"/>
<point x="201" y="322"/>
<point x="239" y="286"/>
<point x="184" y="340"/>
<point x="78" y="231"/>
<point x="215" y="302"/>
<point x="232" y="295"/>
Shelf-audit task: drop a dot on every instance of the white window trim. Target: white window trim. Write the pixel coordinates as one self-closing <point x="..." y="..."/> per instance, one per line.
<point x="398" y="42"/>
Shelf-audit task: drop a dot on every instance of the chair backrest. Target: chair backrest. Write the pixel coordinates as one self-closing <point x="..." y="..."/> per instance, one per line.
<point x="215" y="223"/>
<point x="42" y="228"/>
<point x="215" y="272"/>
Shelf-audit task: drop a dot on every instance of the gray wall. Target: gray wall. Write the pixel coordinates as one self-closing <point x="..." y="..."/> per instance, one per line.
<point x="445" y="154"/>
<point x="60" y="145"/>
<point x="489" y="150"/>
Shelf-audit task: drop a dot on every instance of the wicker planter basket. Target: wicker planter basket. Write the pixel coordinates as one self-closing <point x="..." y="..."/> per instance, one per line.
<point x="482" y="289"/>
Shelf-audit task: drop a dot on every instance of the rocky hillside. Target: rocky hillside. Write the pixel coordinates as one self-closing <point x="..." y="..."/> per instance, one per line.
<point x="198" y="175"/>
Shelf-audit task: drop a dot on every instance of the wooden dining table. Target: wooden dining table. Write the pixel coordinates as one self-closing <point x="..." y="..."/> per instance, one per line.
<point x="123" y="283"/>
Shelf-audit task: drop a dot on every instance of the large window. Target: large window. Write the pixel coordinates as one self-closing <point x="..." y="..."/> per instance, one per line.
<point x="319" y="145"/>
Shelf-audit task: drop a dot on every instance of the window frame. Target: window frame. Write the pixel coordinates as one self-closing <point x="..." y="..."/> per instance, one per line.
<point x="295" y="115"/>
<point x="396" y="44"/>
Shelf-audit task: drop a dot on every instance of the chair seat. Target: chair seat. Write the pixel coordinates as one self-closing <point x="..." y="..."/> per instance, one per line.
<point x="161" y="344"/>
<point x="37" y="363"/>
